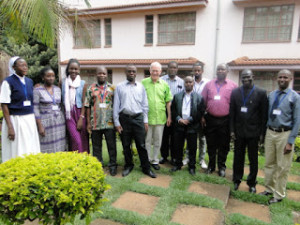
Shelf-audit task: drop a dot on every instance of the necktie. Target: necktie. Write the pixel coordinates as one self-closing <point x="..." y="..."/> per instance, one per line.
<point x="275" y="105"/>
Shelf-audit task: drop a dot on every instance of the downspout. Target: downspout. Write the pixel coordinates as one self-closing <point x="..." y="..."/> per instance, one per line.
<point x="216" y="47"/>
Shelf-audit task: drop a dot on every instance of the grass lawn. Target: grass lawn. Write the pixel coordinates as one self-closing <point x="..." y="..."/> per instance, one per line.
<point x="176" y="193"/>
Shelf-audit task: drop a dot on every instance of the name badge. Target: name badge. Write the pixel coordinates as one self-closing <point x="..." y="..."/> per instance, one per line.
<point x="277" y="112"/>
<point x="217" y="97"/>
<point x="102" y="105"/>
<point x="27" y="103"/>
<point x="244" y="109"/>
<point x="55" y="107"/>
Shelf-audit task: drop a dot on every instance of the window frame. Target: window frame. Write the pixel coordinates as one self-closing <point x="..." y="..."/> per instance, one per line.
<point x="146" y="32"/>
<point x="106" y="34"/>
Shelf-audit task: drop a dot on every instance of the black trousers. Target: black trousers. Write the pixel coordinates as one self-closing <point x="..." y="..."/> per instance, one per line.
<point x="240" y="145"/>
<point x="191" y="138"/>
<point x="167" y="142"/>
<point x="110" y="137"/>
<point x="218" y="140"/>
<point x="133" y="128"/>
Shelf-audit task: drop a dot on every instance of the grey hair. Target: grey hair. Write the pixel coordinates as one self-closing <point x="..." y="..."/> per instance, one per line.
<point x="155" y="64"/>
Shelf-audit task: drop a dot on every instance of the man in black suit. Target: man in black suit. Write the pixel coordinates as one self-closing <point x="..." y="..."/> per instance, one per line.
<point x="248" y="117"/>
<point x="187" y="111"/>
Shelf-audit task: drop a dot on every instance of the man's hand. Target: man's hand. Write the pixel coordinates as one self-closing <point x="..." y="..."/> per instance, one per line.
<point x="169" y="121"/>
<point x="203" y="122"/>
<point x="232" y="135"/>
<point x="89" y="128"/>
<point x="119" y="129"/>
<point x="11" y="134"/>
<point x="183" y="122"/>
<point x="41" y="130"/>
<point x="79" y="124"/>
<point x="287" y="149"/>
<point x="261" y="140"/>
<point x="146" y="127"/>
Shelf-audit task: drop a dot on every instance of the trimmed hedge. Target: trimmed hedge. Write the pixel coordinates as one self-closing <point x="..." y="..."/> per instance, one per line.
<point x="52" y="188"/>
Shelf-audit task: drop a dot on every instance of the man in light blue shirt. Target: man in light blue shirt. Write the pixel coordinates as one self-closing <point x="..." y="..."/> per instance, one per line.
<point x="282" y="129"/>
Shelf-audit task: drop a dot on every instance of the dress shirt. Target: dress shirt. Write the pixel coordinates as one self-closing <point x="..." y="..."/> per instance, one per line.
<point x="158" y="94"/>
<point x="198" y="87"/>
<point x="186" y="106"/>
<point x="130" y="99"/>
<point x="101" y="115"/>
<point x="289" y="105"/>
<point x="215" y="107"/>
<point x="176" y="85"/>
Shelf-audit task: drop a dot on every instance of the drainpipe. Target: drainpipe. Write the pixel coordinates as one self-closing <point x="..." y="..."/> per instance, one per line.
<point x="216" y="47"/>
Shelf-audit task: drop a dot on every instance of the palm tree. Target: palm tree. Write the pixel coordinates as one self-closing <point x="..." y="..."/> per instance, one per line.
<point x="39" y="17"/>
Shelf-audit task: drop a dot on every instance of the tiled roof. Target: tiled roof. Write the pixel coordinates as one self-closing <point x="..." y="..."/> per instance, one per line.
<point x="245" y="61"/>
<point x="188" y="61"/>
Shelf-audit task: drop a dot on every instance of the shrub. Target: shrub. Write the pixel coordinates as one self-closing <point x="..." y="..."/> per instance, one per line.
<point x="52" y="188"/>
<point x="297" y="149"/>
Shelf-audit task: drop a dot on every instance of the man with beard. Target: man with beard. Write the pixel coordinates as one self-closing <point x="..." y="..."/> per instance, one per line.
<point x="131" y="120"/>
<point x="187" y="110"/>
<point x="282" y="129"/>
<point x="176" y="85"/>
<point x="99" y="108"/>
<point x="216" y="95"/>
<point x="248" y="117"/>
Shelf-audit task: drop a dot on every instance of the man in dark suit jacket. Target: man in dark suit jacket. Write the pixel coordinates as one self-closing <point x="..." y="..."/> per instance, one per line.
<point x="248" y="117"/>
<point x="187" y="111"/>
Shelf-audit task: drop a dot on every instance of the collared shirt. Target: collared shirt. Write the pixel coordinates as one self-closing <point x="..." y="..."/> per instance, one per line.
<point x="176" y="85"/>
<point x="198" y="87"/>
<point x="158" y="94"/>
<point x="100" y="99"/>
<point x="289" y="106"/>
<point x="218" y="106"/>
<point x="186" y="106"/>
<point x="130" y="99"/>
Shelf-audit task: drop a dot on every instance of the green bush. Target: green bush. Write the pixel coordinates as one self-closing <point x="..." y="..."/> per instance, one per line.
<point x="297" y="149"/>
<point x="52" y="188"/>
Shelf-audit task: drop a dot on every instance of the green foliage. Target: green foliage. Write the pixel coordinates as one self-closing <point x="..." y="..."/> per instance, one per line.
<point x="52" y="188"/>
<point x="297" y="149"/>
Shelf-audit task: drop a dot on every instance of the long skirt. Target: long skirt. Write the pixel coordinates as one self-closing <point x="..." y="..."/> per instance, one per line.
<point x="78" y="140"/>
<point x="26" y="137"/>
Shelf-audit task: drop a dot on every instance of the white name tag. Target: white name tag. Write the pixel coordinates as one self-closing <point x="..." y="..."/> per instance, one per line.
<point x="55" y="107"/>
<point x="276" y="112"/>
<point x="217" y="97"/>
<point x="27" y="103"/>
<point x="244" y="109"/>
<point x="102" y="105"/>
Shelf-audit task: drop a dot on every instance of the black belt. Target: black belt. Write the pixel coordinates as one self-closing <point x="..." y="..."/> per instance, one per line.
<point x="131" y="116"/>
<point x="281" y="129"/>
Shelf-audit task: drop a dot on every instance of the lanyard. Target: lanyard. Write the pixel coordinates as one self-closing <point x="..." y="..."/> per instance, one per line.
<point x="248" y="96"/>
<point x="24" y="89"/>
<point x="103" y="94"/>
<point x="51" y="96"/>
<point x="277" y="99"/>
<point x="218" y="87"/>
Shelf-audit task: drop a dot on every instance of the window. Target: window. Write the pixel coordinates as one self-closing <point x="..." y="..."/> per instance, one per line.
<point x="149" y="30"/>
<point x="178" y="28"/>
<point x="107" y="26"/>
<point x="87" y="34"/>
<point x="297" y="81"/>
<point x="299" y="32"/>
<point x="268" y="24"/>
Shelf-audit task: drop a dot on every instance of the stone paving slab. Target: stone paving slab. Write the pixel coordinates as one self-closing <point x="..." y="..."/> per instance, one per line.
<point x="296" y="217"/>
<point x="252" y="210"/>
<point x="293" y="195"/>
<point x="193" y="215"/>
<point x="161" y="181"/>
<point x="104" y="222"/>
<point x="218" y="191"/>
<point x="294" y="178"/>
<point x="140" y="203"/>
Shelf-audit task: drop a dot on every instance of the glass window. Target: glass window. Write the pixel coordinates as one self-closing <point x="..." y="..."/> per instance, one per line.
<point x="87" y="34"/>
<point x="268" y="24"/>
<point x="107" y="26"/>
<point x="149" y="30"/>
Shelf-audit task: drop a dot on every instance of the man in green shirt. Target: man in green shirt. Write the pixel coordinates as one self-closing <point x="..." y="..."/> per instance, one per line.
<point x="159" y="99"/>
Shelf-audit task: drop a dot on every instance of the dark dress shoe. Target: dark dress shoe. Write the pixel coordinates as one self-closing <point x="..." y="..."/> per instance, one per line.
<point x="274" y="200"/>
<point x="192" y="171"/>
<point x="252" y="189"/>
<point x="155" y="166"/>
<point x="150" y="173"/>
<point x="126" y="171"/>
<point x="113" y="171"/>
<point x="236" y="186"/>
<point x="163" y="161"/>
<point x="175" y="168"/>
<point x="209" y="171"/>
<point x="222" y="173"/>
<point x="173" y="162"/>
<point x="265" y="193"/>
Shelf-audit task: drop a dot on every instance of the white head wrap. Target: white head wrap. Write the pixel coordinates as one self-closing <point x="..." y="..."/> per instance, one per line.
<point x="10" y="65"/>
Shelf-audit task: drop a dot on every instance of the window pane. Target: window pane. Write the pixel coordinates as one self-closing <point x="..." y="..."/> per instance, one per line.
<point x="149" y="29"/>
<point x="87" y="34"/>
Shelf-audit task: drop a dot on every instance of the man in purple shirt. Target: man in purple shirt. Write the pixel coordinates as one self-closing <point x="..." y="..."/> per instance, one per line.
<point x="216" y="95"/>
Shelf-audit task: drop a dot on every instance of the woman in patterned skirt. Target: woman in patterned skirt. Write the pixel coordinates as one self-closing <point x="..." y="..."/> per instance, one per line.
<point x="49" y="117"/>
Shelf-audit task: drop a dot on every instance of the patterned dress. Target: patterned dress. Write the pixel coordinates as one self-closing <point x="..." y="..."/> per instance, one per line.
<point x="47" y="108"/>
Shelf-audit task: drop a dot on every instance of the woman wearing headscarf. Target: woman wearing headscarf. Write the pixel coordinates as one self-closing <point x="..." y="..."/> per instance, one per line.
<point x="73" y="92"/>
<point x="19" y="130"/>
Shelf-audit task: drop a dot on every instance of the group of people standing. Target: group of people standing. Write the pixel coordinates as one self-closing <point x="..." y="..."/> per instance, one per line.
<point x="161" y="112"/>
